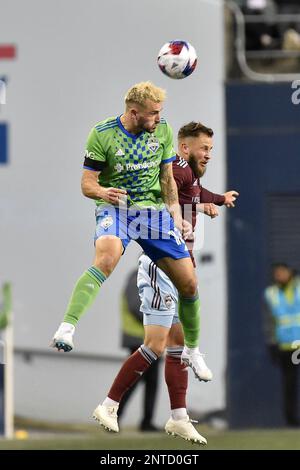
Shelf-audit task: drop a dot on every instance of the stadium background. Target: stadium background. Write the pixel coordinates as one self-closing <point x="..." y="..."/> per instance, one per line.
<point x="74" y="62"/>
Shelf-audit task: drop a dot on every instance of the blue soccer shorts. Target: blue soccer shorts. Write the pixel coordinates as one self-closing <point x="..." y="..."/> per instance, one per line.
<point x="152" y="229"/>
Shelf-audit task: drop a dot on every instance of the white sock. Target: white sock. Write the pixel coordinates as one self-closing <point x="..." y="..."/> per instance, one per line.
<point x="178" y="413"/>
<point x="109" y="402"/>
<point x="66" y="328"/>
<point x="190" y="350"/>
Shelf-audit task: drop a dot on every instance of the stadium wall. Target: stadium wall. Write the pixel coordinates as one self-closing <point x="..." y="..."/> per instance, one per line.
<point x="74" y="62"/>
<point x="263" y="164"/>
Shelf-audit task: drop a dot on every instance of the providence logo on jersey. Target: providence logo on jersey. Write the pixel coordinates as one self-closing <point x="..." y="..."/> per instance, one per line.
<point x="119" y="167"/>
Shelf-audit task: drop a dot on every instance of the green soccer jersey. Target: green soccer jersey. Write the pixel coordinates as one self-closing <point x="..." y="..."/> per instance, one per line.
<point x="130" y="162"/>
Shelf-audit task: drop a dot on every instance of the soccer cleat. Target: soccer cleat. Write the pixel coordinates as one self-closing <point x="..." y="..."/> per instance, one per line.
<point x="63" y="338"/>
<point x="196" y="362"/>
<point x="107" y="417"/>
<point x="184" y="428"/>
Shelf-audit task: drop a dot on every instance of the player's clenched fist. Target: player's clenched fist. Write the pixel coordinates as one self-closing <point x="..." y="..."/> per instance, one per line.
<point x="211" y="210"/>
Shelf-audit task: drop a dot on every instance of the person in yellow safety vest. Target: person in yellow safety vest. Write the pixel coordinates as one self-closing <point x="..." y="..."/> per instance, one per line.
<point x="282" y="302"/>
<point x="132" y="338"/>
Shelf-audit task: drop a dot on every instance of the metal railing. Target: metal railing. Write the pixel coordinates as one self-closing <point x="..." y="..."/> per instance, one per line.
<point x="240" y="45"/>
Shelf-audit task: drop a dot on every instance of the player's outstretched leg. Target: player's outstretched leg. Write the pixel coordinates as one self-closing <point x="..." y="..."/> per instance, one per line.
<point x="108" y="253"/>
<point x="176" y="377"/>
<point x="83" y="295"/>
<point x="131" y="371"/>
<point x="182" y="274"/>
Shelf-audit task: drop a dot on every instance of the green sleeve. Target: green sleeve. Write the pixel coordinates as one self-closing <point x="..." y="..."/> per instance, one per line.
<point x="95" y="157"/>
<point x="169" y="152"/>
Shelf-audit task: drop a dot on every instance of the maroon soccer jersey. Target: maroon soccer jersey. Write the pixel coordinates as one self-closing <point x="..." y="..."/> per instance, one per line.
<point x="191" y="192"/>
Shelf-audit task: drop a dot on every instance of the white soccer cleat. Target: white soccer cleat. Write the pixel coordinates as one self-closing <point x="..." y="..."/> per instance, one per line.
<point x="184" y="428"/>
<point x="196" y="362"/>
<point x="63" y="338"/>
<point x="107" y="417"/>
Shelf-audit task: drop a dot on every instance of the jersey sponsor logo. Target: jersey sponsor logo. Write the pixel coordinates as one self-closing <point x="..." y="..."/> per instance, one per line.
<point x="196" y="182"/>
<point x="107" y="222"/>
<point x="136" y="166"/>
<point x="153" y="144"/>
<point x="119" y="153"/>
<point x="141" y="166"/>
<point x="140" y="372"/>
<point x="196" y="199"/>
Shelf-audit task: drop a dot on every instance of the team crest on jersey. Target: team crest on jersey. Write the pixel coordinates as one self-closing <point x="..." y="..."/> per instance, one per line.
<point x="107" y="222"/>
<point x="153" y="144"/>
<point x="168" y="301"/>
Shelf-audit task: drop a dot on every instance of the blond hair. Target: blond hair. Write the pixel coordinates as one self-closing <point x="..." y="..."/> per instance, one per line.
<point x="142" y="91"/>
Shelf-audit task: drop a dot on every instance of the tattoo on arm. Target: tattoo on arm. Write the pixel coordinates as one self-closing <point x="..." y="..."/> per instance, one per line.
<point x="169" y="192"/>
<point x="168" y="185"/>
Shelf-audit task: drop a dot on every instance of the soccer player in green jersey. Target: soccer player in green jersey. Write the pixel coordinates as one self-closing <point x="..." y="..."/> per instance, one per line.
<point x="128" y="172"/>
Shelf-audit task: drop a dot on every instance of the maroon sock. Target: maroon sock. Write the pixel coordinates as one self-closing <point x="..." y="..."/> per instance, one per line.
<point x="131" y="371"/>
<point x="177" y="381"/>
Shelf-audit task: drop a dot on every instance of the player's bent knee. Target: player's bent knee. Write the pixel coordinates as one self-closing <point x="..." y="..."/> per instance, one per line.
<point x="189" y="288"/>
<point x="106" y="265"/>
<point x="108" y="253"/>
<point x="157" y="347"/>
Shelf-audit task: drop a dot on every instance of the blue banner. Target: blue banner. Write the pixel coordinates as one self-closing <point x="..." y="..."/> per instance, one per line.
<point x="3" y="143"/>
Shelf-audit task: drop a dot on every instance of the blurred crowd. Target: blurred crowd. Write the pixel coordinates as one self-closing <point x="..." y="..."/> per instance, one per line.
<point x="269" y="33"/>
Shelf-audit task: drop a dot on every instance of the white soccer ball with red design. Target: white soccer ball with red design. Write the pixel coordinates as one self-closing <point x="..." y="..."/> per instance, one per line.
<point x="177" y="59"/>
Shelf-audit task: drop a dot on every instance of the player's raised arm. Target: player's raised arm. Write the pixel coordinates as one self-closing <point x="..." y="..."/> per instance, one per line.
<point x="93" y="190"/>
<point x="169" y="193"/>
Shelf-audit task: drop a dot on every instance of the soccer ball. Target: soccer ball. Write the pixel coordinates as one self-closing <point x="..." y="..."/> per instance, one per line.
<point x="177" y="59"/>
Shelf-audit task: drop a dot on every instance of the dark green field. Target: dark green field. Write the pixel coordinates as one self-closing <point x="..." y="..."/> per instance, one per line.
<point x="133" y="440"/>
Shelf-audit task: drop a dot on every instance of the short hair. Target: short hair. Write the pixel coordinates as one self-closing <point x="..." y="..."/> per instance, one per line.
<point x="194" y="129"/>
<point x="279" y="265"/>
<point x="142" y="91"/>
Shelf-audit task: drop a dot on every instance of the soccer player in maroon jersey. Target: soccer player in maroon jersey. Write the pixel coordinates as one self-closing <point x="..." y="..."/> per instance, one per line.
<point x="159" y="297"/>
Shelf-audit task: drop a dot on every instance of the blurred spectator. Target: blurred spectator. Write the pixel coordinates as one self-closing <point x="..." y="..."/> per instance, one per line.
<point x="289" y="31"/>
<point x="264" y="34"/>
<point x="282" y="309"/>
<point x="132" y="338"/>
<point x="289" y="7"/>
